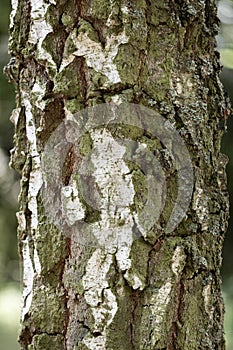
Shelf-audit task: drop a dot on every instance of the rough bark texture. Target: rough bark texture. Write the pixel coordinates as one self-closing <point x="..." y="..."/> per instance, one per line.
<point x="165" y="292"/>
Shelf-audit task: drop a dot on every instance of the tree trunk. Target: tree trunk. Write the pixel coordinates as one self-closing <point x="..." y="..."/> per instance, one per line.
<point x="104" y="270"/>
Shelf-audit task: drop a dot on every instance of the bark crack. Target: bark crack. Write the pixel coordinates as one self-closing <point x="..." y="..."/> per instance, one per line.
<point x="177" y="318"/>
<point x="97" y="25"/>
<point x="84" y="81"/>
<point x="66" y="292"/>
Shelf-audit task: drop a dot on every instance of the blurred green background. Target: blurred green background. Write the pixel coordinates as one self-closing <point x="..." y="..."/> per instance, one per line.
<point x="9" y="187"/>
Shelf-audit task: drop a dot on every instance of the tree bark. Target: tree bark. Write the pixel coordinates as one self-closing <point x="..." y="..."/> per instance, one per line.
<point x="161" y="291"/>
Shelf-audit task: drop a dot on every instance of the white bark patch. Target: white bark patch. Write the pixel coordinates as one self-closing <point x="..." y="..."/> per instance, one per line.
<point x="134" y="281"/>
<point x="178" y="261"/>
<point x="125" y="10"/>
<point x="30" y="126"/>
<point x="209" y="308"/>
<point x="208" y="303"/>
<point x="122" y="256"/>
<point x="111" y="22"/>
<point x="94" y="280"/>
<point x="15" y="116"/>
<point x="200" y="204"/>
<point x="14" y="6"/>
<point x="38" y="93"/>
<point x="114" y="231"/>
<point x="99" y="296"/>
<point x="183" y="85"/>
<point x="36" y="260"/>
<point x="71" y="206"/>
<point x="179" y="88"/>
<point x="104" y="316"/>
<point x="40" y="28"/>
<point x="28" y="275"/>
<point x="97" y="343"/>
<point x="96" y="57"/>
<point x="158" y="308"/>
<point x="35" y="181"/>
<point x="117" y="99"/>
<point x="21" y="221"/>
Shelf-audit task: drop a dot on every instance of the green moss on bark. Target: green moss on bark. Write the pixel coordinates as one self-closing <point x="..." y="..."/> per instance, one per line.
<point x="45" y="341"/>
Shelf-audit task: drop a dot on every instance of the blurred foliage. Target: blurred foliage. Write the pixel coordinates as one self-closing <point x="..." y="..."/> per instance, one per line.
<point x="225" y="38"/>
<point x="9" y="317"/>
<point x="9" y="271"/>
<point x="225" y="45"/>
<point x="4" y="17"/>
<point x="8" y="184"/>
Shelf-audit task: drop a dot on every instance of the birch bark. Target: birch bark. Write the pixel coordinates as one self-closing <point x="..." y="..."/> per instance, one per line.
<point x="161" y="290"/>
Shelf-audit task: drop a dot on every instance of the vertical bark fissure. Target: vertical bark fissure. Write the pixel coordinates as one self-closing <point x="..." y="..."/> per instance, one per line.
<point x="177" y="318"/>
<point x="66" y="292"/>
<point x="84" y="81"/>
